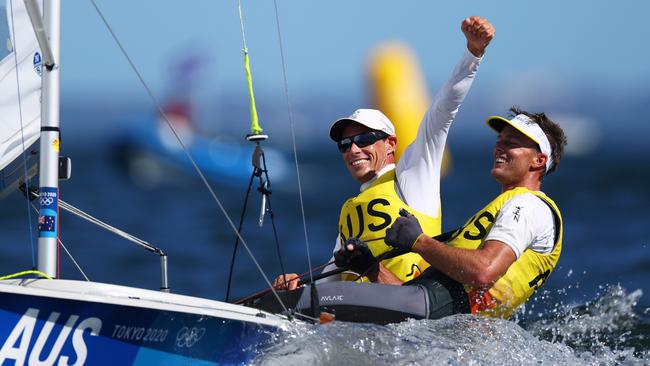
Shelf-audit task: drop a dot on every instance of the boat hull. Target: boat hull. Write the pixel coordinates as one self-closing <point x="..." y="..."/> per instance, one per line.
<point x="125" y="331"/>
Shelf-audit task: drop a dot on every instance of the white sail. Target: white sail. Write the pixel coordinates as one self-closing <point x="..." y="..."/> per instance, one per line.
<point x="21" y="59"/>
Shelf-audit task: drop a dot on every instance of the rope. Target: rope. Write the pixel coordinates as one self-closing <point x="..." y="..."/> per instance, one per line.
<point x="196" y="167"/>
<point x="255" y="129"/>
<point x="284" y="284"/>
<point x="386" y="255"/>
<point x="22" y="134"/>
<point x="241" y="223"/>
<point x="443" y="237"/>
<point x="255" y="125"/>
<point x="31" y="271"/>
<point x="293" y="140"/>
<point x="267" y="193"/>
<point x="264" y="184"/>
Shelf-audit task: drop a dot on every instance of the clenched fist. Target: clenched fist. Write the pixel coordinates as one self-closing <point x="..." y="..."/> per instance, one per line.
<point x="479" y="32"/>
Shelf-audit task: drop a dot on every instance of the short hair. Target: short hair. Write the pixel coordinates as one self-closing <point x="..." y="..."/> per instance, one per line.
<point x="553" y="132"/>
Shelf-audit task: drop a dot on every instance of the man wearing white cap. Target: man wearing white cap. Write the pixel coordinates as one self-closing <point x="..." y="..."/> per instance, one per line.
<point x="367" y="141"/>
<point x="507" y="250"/>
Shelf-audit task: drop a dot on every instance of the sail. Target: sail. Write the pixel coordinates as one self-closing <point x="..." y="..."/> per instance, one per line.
<point x="20" y="69"/>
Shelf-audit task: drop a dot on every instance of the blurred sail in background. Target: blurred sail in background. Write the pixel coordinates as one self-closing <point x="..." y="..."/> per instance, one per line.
<point x="153" y="156"/>
<point x="399" y="90"/>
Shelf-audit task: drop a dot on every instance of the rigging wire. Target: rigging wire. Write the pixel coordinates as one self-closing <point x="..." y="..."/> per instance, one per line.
<point x="264" y="185"/>
<point x="260" y="170"/>
<point x="79" y="213"/>
<point x="74" y="261"/>
<point x="22" y="134"/>
<point x="293" y="139"/>
<point x="185" y="150"/>
<point x="315" y="306"/>
<point x="68" y="252"/>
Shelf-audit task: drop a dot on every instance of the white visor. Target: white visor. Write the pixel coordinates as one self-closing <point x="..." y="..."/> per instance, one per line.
<point x="528" y="127"/>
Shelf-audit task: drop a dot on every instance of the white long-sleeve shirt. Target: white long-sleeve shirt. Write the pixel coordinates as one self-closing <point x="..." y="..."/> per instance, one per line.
<point x="418" y="170"/>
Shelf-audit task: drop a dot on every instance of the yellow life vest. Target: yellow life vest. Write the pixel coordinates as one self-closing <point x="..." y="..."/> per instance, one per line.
<point x="524" y="276"/>
<point x="374" y="210"/>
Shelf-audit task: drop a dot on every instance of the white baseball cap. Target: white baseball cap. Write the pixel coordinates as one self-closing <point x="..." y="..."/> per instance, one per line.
<point x="528" y="127"/>
<point x="370" y="118"/>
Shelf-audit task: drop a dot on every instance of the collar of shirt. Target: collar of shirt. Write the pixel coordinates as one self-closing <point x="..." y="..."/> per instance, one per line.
<point x="381" y="172"/>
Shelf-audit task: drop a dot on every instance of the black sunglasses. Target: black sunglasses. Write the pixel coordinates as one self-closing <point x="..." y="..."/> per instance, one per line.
<point x="361" y="140"/>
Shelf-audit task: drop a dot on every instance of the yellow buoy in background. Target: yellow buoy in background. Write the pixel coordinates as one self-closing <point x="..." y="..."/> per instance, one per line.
<point x="399" y="90"/>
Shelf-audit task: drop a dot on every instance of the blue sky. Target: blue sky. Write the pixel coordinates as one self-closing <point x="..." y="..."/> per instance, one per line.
<point x="580" y="61"/>
<point x="327" y="42"/>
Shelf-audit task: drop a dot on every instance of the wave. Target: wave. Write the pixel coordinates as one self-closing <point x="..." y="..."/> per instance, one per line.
<point x="608" y="330"/>
<point x="612" y="329"/>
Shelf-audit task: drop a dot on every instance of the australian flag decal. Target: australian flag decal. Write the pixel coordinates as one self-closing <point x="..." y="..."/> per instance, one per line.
<point x="46" y="223"/>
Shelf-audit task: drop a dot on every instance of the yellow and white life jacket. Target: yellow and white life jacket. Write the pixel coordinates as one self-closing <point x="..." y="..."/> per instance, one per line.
<point x="524" y="276"/>
<point x="369" y="214"/>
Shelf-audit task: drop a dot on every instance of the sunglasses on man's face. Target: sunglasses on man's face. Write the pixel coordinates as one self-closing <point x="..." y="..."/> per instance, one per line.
<point x="361" y="140"/>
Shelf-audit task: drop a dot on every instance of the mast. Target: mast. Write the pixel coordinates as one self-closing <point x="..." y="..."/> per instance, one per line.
<point x="48" y="219"/>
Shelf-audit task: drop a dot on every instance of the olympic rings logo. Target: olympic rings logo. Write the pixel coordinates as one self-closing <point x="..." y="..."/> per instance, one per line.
<point x="187" y="337"/>
<point x="46" y="201"/>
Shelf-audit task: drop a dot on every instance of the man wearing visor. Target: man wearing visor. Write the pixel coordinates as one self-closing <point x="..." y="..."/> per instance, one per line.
<point x="507" y="250"/>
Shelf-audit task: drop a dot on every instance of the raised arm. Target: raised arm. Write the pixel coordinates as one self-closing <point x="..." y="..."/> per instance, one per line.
<point x="418" y="171"/>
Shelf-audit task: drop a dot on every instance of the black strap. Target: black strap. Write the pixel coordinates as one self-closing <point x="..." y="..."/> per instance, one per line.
<point x="399" y="190"/>
<point x="556" y="220"/>
<point x="448" y="235"/>
<point x="239" y="230"/>
<point x="320" y="276"/>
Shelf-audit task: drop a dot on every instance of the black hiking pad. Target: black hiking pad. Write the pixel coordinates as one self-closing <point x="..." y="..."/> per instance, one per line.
<point x="354" y="302"/>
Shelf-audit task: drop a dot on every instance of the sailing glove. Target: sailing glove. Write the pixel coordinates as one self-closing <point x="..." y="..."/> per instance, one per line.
<point x="404" y="232"/>
<point x="356" y="256"/>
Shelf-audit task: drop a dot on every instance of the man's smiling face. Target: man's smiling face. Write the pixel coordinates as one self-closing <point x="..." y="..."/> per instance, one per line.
<point x="363" y="163"/>
<point x="514" y="156"/>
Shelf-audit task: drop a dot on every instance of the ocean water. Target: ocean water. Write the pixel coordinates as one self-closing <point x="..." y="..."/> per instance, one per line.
<point x="594" y="309"/>
<point x="606" y="331"/>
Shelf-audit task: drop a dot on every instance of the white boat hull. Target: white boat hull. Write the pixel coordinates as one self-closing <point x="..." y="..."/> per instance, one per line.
<point x="63" y="322"/>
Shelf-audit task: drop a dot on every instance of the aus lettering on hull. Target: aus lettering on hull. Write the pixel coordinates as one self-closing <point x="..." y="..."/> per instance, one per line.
<point x="43" y="350"/>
